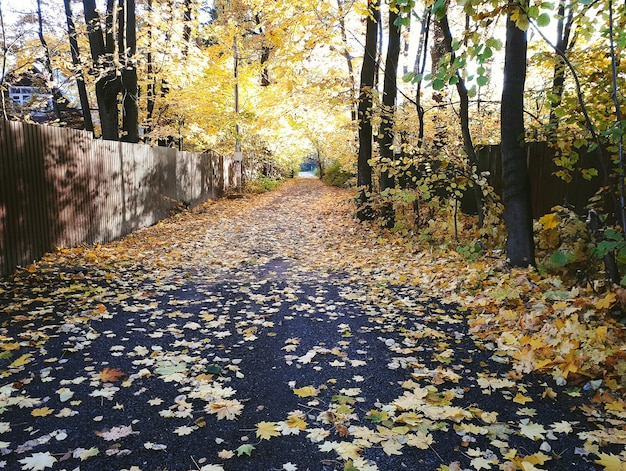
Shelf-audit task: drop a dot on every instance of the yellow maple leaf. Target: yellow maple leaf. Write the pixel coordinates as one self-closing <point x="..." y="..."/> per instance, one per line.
<point x="521" y="399"/>
<point x="21" y="361"/>
<point x="348" y="450"/>
<point x="41" y="412"/>
<point x="611" y="462"/>
<point x="616" y="406"/>
<point x="306" y="391"/>
<point x="392" y="447"/>
<point x="568" y="365"/>
<point x="420" y="440"/>
<point x="295" y="422"/>
<point x="607" y="301"/>
<point x="227" y="409"/>
<point x="10" y="346"/>
<point x="267" y="430"/>
<point x="550" y="221"/>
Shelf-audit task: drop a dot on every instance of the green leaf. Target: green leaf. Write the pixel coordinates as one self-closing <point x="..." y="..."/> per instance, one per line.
<point x="214" y="370"/>
<point x="438" y="84"/>
<point x="612" y="234"/>
<point x="559" y="259"/>
<point x="494" y="43"/>
<point x="482" y="81"/>
<point x="604" y="248"/>
<point x="439" y="8"/>
<point x="543" y="20"/>
<point x="245" y="450"/>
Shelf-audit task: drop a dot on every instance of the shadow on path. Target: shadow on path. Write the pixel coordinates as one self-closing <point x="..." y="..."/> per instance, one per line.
<point x="238" y="337"/>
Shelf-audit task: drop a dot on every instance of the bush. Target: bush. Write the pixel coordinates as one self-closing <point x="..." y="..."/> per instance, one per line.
<point x="336" y="175"/>
<point x="261" y="184"/>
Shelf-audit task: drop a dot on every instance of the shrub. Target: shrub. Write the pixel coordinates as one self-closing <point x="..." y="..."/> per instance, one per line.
<point x="336" y="175"/>
<point x="261" y="184"/>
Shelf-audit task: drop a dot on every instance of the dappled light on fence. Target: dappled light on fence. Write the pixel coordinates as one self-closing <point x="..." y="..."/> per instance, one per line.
<point x="60" y="188"/>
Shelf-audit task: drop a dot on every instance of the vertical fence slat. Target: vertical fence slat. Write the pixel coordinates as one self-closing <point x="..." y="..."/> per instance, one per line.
<point x="4" y="194"/>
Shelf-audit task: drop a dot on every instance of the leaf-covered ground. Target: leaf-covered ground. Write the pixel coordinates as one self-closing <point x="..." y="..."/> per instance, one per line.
<point x="276" y="333"/>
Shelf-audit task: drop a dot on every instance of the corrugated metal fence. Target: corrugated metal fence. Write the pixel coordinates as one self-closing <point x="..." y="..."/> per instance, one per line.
<point x="59" y="187"/>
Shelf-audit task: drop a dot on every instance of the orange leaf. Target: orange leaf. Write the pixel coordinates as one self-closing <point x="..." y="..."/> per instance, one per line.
<point x="111" y="375"/>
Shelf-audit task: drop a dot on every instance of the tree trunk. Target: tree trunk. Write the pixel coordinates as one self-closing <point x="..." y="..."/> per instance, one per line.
<point x="128" y="49"/>
<point x="418" y="69"/>
<point x="151" y="81"/>
<point x="56" y="95"/>
<point x="520" y="247"/>
<point x="564" y="29"/>
<point x="468" y="144"/>
<point x="368" y="72"/>
<point x="437" y="51"/>
<point x="107" y="83"/>
<point x="5" y="50"/>
<point x="346" y="54"/>
<point x="80" y="81"/>
<point x="186" y="28"/>
<point x="390" y="92"/>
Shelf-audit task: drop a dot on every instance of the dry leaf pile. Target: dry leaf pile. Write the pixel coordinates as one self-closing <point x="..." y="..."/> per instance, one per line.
<point x="276" y="333"/>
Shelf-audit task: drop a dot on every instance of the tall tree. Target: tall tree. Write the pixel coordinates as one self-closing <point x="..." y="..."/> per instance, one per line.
<point x="437" y="53"/>
<point x="80" y="80"/>
<point x="390" y="92"/>
<point x="520" y="247"/>
<point x="368" y="73"/>
<point x="565" y="21"/>
<point x="129" y="88"/>
<point x="464" y="116"/>
<point x="107" y="80"/>
<point x="342" y="10"/>
<point x="112" y="53"/>
<point x="56" y="96"/>
<point x="5" y="50"/>
<point x="418" y="70"/>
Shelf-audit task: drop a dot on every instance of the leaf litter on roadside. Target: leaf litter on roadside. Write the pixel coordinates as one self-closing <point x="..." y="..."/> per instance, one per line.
<point x="144" y="340"/>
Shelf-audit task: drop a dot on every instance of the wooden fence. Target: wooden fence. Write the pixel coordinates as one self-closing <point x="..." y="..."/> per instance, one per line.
<point x="59" y="187"/>
<point x="547" y="189"/>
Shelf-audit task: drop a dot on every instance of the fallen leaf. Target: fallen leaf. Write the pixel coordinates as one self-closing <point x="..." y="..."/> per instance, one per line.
<point x="111" y="375"/>
<point x="245" y="450"/>
<point x="38" y="462"/>
<point x="41" y="412"/>
<point x="611" y="462"/>
<point x="306" y="391"/>
<point x="267" y="430"/>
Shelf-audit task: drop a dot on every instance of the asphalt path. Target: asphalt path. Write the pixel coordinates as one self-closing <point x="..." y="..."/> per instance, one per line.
<point x="166" y="351"/>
